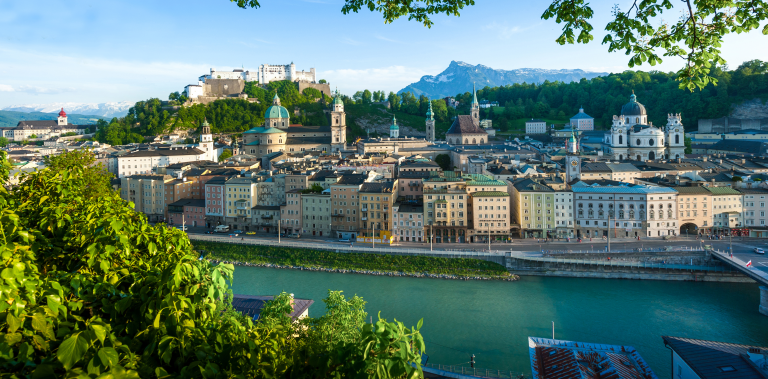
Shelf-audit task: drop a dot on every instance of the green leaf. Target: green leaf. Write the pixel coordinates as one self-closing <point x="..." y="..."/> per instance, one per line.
<point x="72" y="350"/>
<point x="39" y="323"/>
<point x="54" y="303"/>
<point x="100" y="331"/>
<point x="13" y="321"/>
<point x="109" y="356"/>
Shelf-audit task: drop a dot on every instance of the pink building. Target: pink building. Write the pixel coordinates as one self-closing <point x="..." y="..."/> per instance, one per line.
<point x="190" y="212"/>
<point x="214" y="201"/>
<point x="290" y="212"/>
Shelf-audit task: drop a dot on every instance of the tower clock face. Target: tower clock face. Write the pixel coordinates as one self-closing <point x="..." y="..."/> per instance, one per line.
<point x="677" y="130"/>
<point x="574" y="163"/>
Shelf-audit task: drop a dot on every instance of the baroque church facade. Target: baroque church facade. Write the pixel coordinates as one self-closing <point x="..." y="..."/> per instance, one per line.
<point x="632" y="137"/>
<point x="278" y="135"/>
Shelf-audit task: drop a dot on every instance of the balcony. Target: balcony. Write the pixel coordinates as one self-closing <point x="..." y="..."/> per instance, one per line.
<point x="267" y="217"/>
<point x="364" y="218"/>
<point x="337" y="215"/>
<point x="365" y="209"/>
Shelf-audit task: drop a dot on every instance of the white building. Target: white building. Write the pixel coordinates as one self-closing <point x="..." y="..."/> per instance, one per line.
<point x="582" y="121"/>
<point x="564" y="213"/>
<point x="753" y="209"/>
<point x="237" y="73"/>
<point x="535" y="126"/>
<point x="270" y="73"/>
<point x="145" y="161"/>
<point x="624" y="210"/>
<point x="407" y="223"/>
<point x="632" y="137"/>
<point x="44" y="129"/>
<point x="700" y="359"/>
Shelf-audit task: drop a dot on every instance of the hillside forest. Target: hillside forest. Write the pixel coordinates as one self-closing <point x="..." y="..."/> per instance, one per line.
<point x="601" y="98"/>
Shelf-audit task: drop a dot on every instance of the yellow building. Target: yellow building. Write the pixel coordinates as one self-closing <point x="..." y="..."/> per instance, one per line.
<point x="376" y="209"/>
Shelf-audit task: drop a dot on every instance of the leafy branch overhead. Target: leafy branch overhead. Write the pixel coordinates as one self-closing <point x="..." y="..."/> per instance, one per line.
<point x="641" y="31"/>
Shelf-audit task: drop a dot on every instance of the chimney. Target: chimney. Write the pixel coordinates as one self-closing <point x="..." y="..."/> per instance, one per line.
<point x="704" y="158"/>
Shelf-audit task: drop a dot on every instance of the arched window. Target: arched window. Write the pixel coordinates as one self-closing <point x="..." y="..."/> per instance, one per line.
<point x="270" y="141"/>
<point x="651" y="206"/>
<point x="621" y="157"/>
<point x="474" y="140"/>
<point x="621" y="214"/>
<point x="639" y="158"/>
<point x="621" y="206"/>
<point x="581" y="213"/>
<point x="642" y="215"/>
<point x="643" y="206"/>
<point x="280" y="140"/>
<point x="600" y="205"/>
<point x="466" y="141"/>
<point x="482" y="140"/>
<point x="661" y="214"/>
<point x="621" y="139"/>
<point x="650" y="141"/>
<point x="631" y="206"/>
<point x="591" y="213"/>
<point x="600" y="213"/>
<point x="677" y="139"/>
<point x="631" y="215"/>
<point x="661" y="206"/>
<point x="581" y="205"/>
<point x="651" y="214"/>
<point x="669" y="214"/>
<point x="590" y="205"/>
<point x="637" y="142"/>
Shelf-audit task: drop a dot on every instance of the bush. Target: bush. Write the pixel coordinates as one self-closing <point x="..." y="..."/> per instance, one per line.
<point x="90" y="289"/>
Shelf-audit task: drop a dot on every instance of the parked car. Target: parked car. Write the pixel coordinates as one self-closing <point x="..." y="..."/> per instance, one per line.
<point x="182" y="228"/>
<point x="343" y="239"/>
<point x="209" y="232"/>
<point x="250" y="233"/>
<point x="294" y="235"/>
<point x="759" y="251"/>
<point x="233" y="234"/>
<point x="237" y="231"/>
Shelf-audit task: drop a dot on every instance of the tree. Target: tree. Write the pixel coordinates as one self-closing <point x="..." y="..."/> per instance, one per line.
<point x="696" y="37"/>
<point x="4" y="142"/>
<point x="687" y="142"/>
<point x="95" y="177"/>
<point x="316" y="188"/>
<point x="322" y="81"/>
<point x="736" y="179"/>
<point x="225" y="154"/>
<point x="444" y="161"/>
<point x="367" y="96"/>
<point x="90" y="287"/>
<point x="33" y="136"/>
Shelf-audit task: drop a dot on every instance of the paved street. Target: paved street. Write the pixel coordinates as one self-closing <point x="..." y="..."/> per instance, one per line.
<point x="742" y="247"/>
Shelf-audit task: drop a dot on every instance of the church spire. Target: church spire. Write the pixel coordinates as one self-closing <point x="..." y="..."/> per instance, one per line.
<point x="474" y="94"/>
<point x="206" y="127"/>
<point x="430" y="114"/>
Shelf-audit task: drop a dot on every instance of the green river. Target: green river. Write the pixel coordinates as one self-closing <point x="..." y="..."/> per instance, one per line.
<point x="493" y="319"/>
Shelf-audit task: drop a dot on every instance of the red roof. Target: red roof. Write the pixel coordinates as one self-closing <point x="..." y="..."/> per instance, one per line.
<point x="62" y="113"/>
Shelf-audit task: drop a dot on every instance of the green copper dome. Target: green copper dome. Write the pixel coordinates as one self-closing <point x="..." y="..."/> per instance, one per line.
<point x="394" y="124"/>
<point x="276" y="110"/>
<point x="430" y="114"/>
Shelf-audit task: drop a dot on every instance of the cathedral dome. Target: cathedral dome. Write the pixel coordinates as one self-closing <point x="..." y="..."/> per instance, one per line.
<point x="276" y="110"/>
<point x="394" y="124"/>
<point x="62" y="113"/>
<point x="633" y="108"/>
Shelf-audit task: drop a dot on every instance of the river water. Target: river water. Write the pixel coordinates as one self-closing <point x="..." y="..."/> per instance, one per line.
<point x="493" y="319"/>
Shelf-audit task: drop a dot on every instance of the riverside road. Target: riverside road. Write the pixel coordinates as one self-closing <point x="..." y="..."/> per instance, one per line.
<point x="742" y="247"/>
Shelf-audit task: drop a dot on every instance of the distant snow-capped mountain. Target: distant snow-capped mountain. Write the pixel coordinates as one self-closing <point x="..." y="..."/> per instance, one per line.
<point x="459" y="77"/>
<point x="111" y="109"/>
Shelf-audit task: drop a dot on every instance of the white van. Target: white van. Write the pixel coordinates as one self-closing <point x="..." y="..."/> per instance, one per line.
<point x="222" y="229"/>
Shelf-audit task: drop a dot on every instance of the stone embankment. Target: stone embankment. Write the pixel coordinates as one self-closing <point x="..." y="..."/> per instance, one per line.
<point x="370" y="272"/>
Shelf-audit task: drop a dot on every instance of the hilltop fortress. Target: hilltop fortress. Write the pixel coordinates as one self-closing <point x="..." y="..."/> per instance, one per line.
<point x="219" y="85"/>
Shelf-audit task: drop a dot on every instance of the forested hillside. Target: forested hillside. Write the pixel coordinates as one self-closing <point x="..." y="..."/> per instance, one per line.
<point x="603" y="97"/>
<point x="151" y="117"/>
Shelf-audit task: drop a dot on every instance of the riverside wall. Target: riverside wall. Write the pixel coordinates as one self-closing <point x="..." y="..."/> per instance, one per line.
<point x="697" y="266"/>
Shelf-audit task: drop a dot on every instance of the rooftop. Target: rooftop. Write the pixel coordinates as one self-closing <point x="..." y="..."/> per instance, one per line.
<point x="555" y="359"/>
<point x="718" y="360"/>
<point x="251" y="305"/>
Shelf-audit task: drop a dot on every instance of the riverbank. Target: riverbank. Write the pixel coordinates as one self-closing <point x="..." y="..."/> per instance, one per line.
<point x="357" y="263"/>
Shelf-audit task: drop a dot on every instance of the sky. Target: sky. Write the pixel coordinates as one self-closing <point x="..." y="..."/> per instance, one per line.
<point x="108" y="51"/>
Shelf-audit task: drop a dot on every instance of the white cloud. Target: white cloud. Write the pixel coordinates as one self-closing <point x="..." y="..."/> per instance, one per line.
<point x="505" y="31"/>
<point x="350" y="41"/>
<point x="392" y="78"/>
<point x="6" y="88"/>
<point x="387" y="39"/>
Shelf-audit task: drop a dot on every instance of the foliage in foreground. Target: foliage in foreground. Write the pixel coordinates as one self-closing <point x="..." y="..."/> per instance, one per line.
<point x="462" y="267"/>
<point x="89" y="289"/>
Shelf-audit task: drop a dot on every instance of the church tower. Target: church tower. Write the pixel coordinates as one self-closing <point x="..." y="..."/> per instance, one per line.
<point x="674" y="135"/>
<point x="206" y="142"/>
<point x="62" y="120"/>
<point x="430" y="124"/>
<point x="619" y="138"/>
<point x="475" y="107"/>
<point x="394" y="130"/>
<point x="572" y="160"/>
<point x="338" y="124"/>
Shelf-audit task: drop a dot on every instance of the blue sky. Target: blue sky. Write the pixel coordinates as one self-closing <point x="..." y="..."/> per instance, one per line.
<point x="103" y="51"/>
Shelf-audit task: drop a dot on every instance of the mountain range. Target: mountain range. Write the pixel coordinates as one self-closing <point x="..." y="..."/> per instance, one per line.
<point x="111" y="109"/>
<point x="459" y="77"/>
<point x="12" y="118"/>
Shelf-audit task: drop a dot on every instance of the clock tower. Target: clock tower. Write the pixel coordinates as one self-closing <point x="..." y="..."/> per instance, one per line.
<point x="572" y="160"/>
